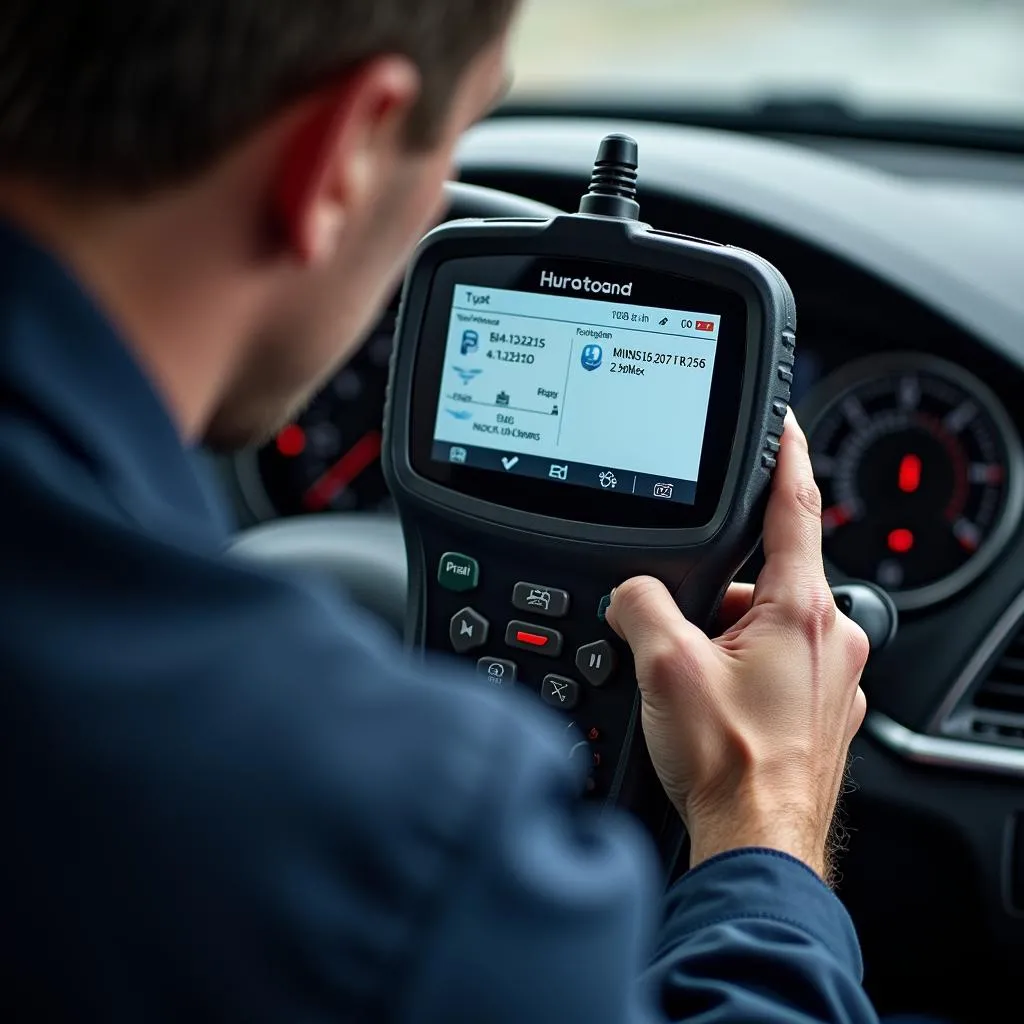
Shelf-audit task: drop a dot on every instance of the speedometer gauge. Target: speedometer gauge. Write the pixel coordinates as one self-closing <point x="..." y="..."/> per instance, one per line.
<point x="920" y="471"/>
<point x="328" y="459"/>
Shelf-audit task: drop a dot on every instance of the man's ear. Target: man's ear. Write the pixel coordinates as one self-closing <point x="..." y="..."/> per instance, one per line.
<point x="334" y="160"/>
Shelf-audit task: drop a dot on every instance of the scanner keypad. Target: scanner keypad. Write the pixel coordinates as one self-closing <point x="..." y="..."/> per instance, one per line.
<point x="549" y="640"/>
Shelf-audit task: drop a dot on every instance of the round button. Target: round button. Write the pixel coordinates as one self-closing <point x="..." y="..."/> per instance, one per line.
<point x="580" y="754"/>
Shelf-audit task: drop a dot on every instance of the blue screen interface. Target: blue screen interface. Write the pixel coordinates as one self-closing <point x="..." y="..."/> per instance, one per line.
<point x="577" y="391"/>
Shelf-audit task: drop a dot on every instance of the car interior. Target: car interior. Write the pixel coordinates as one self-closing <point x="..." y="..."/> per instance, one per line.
<point x="874" y="153"/>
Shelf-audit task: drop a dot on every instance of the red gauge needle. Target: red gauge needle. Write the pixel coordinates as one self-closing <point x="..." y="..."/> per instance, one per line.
<point x="355" y="461"/>
<point x="910" y="473"/>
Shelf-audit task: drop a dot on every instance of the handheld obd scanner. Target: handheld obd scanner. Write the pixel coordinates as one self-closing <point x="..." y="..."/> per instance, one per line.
<point x="573" y="402"/>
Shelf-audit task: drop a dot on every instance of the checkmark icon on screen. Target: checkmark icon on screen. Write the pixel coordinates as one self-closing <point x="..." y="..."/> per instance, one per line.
<point x="510" y="464"/>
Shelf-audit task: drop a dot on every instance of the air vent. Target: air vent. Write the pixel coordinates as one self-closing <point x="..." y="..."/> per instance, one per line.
<point x="1003" y="690"/>
<point x="997" y="704"/>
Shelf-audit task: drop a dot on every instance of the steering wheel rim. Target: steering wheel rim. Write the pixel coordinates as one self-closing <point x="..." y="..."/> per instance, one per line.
<point x="365" y="553"/>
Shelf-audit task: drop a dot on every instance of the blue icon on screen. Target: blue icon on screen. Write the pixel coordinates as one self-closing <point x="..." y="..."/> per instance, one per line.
<point x="460" y="414"/>
<point x="470" y="342"/>
<point x="467" y="376"/>
<point x="592" y="357"/>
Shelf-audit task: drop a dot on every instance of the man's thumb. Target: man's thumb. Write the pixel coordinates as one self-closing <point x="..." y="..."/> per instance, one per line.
<point x="667" y="647"/>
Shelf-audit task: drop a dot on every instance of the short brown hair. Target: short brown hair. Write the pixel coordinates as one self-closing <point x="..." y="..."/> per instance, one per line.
<point x="127" y="96"/>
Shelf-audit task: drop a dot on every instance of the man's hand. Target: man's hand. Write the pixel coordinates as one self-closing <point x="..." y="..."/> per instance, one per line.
<point x="749" y="733"/>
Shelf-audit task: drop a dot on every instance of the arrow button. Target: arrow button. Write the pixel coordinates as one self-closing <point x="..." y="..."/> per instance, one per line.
<point x="468" y="631"/>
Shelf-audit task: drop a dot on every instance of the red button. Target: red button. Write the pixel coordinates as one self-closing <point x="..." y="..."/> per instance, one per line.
<point x="527" y="636"/>
<point x="533" y="639"/>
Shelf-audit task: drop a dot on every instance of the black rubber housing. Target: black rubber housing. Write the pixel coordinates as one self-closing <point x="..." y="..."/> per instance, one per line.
<point x="586" y="558"/>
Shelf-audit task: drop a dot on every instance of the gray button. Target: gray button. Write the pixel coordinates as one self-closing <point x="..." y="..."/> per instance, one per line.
<point x="560" y="692"/>
<point x="500" y="674"/>
<point x="468" y="631"/>
<point x="541" y="600"/>
<point x="596" y="662"/>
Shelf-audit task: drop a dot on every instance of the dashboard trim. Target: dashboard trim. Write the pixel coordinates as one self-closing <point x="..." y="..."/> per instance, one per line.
<point x="942" y="752"/>
<point x="1006" y="624"/>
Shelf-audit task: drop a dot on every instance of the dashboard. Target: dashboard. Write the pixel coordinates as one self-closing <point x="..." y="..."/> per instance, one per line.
<point x="328" y="460"/>
<point x="920" y="464"/>
<point x="909" y="379"/>
<point x="921" y="467"/>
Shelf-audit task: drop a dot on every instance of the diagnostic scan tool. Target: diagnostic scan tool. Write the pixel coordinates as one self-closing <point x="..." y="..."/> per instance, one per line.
<point x="574" y="402"/>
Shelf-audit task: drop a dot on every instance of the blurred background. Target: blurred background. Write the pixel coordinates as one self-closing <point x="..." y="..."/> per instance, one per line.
<point x="960" y="60"/>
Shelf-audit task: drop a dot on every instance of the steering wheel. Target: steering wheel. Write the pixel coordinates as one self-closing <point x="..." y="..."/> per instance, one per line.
<point x="366" y="553"/>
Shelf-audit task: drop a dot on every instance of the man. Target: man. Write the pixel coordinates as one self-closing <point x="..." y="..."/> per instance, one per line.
<point x="228" y="797"/>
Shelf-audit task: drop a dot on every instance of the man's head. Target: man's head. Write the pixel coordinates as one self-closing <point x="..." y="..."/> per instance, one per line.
<point x="294" y="150"/>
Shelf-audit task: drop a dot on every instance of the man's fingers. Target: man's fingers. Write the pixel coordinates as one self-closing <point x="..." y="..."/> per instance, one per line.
<point x="738" y="600"/>
<point x="792" y="527"/>
<point x="793" y="572"/>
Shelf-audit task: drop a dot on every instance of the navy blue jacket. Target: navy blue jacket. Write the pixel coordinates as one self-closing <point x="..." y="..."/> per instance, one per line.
<point x="228" y="797"/>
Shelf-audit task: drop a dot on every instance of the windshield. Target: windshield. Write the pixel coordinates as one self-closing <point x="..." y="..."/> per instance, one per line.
<point x="953" y="59"/>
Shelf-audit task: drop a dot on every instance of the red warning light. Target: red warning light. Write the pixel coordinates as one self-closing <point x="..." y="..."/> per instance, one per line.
<point x="901" y="541"/>
<point x="705" y="325"/>
<point x="291" y="442"/>
<point x="910" y="473"/>
<point x="834" y="518"/>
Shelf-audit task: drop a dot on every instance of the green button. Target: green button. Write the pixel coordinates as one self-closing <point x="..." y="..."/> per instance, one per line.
<point x="602" y="608"/>
<point x="458" y="572"/>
